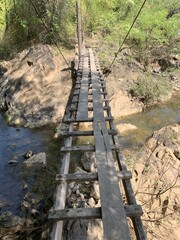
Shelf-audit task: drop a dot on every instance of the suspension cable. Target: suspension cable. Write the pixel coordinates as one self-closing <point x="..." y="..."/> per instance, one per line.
<point x="116" y="54"/>
<point x="47" y="29"/>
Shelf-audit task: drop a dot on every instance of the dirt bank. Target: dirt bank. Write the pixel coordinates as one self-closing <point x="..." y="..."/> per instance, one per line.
<point x="35" y="88"/>
<point x="156" y="182"/>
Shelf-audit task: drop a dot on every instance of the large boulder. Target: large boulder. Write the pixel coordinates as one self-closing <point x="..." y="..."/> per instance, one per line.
<point x="156" y="181"/>
<point x="34" y="90"/>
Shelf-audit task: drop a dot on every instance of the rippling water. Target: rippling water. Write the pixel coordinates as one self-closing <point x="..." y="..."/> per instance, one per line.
<point x="150" y="120"/>
<point x="14" y="142"/>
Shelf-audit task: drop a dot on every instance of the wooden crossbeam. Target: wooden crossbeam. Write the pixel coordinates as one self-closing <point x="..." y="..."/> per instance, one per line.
<point x="85" y="148"/>
<point x="91" y="213"/>
<point x="90" y="94"/>
<point x="82" y="177"/>
<point x="85" y="120"/>
<point x="91" y="100"/>
<point x="85" y="133"/>
<point x="88" y="109"/>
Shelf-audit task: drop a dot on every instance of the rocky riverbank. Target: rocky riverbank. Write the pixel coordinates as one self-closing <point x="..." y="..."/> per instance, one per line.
<point x="156" y="182"/>
<point x="128" y="73"/>
<point x="35" y="87"/>
<point x="31" y="219"/>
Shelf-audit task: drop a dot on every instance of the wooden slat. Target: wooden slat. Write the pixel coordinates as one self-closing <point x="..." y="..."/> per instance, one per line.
<point x="91" y="100"/>
<point x="90" y="94"/>
<point x="78" y="88"/>
<point x="82" y="112"/>
<point x="86" y="120"/>
<point x="113" y="213"/>
<point x="124" y="174"/>
<point x="91" y="213"/>
<point x="82" y="177"/>
<point x="85" y="148"/>
<point x="77" y="177"/>
<point x="75" y="213"/>
<point x="89" y="109"/>
<point x="84" y="133"/>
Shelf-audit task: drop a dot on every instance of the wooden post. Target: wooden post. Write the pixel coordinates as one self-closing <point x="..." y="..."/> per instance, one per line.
<point x="79" y="30"/>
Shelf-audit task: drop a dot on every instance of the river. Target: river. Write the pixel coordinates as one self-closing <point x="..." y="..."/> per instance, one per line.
<point x="14" y="142"/>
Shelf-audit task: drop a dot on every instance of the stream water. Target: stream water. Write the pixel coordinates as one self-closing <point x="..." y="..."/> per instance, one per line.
<point x="14" y="142"/>
<point x="148" y="121"/>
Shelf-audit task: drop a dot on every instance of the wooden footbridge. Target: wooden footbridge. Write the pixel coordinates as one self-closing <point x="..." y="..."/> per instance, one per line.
<point x="88" y="102"/>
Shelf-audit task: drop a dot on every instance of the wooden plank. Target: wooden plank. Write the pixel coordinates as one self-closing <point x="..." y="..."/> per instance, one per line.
<point x="80" y="177"/>
<point x="85" y="148"/>
<point x="90" y="94"/>
<point x="82" y="112"/>
<point x="75" y="214"/>
<point x="91" y="100"/>
<point x="101" y="87"/>
<point x="60" y="198"/>
<point x="87" y="120"/>
<point x="111" y="200"/>
<point x="89" y="109"/>
<point x="77" y="177"/>
<point x="137" y="222"/>
<point x="84" y="133"/>
<point x="124" y="174"/>
<point x="91" y="213"/>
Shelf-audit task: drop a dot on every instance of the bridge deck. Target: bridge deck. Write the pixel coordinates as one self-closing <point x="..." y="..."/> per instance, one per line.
<point x="89" y="94"/>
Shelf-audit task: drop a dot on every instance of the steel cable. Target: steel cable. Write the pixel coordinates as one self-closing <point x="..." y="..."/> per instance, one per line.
<point x="116" y="54"/>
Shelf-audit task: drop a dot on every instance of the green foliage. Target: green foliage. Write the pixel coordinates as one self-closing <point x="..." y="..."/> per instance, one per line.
<point x="2" y="18"/>
<point x="40" y="21"/>
<point x="148" y="89"/>
<point x="21" y="24"/>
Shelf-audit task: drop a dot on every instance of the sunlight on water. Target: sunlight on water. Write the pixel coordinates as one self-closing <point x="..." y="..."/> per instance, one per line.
<point x="150" y="120"/>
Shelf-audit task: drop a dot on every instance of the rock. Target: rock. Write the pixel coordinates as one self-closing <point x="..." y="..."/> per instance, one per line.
<point x="152" y="143"/>
<point x="91" y="202"/>
<point x="157" y="184"/>
<point x="122" y="104"/>
<point x="88" y="162"/>
<point x="39" y="158"/>
<point x="25" y="205"/>
<point x="45" y="234"/>
<point x="13" y="161"/>
<point x="177" y="152"/>
<point x="28" y="154"/>
<point x="29" y="222"/>
<point x="95" y="230"/>
<point x="124" y="127"/>
<point x="34" y="212"/>
<point x="25" y="187"/>
<point x="27" y="91"/>
<point x="60" y="129"/>
<point x="160" y="153"/>
<point x="95" y="193"/>
<point x="76" y="230"/>
<point x="1" y="204"/>
<point x="8" y="220"/>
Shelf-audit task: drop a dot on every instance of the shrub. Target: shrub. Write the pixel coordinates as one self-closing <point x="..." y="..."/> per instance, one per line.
<point x="148" y="89"/>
